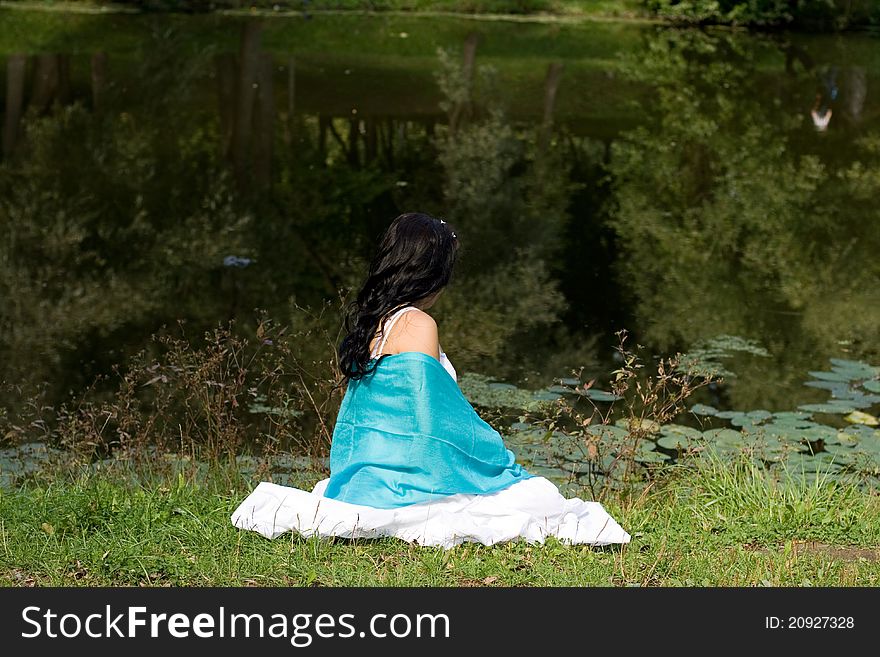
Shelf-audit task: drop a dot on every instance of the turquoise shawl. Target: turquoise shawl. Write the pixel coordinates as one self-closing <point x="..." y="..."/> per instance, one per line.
<point x="406" y="434"/>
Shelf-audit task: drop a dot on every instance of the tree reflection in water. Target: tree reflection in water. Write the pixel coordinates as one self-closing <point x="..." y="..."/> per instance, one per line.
<point x="126" y="181"/>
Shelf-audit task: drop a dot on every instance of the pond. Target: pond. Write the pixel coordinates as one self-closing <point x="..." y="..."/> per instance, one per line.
<point x="680" y="184"/>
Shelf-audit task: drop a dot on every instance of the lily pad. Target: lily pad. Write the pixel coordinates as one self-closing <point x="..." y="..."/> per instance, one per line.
<point x="798" y="463"/>
<point x="828" y="385"/>
<point x="680" y="430"/>
<point x="871" y="448"/>
<point x="826" y="408"/>
<point x="821" y="432"/>
<point x="633" y="424"/>
<point x="741" y="419"/>
<point x="600" y="395"/>
<point x="769" y="441"/>
<point x="651" y="457"/>
<point x="859" y="369"/>
<point x="795" y="419"/>
<point x="843" y="401"/>
<point x="531" y="438"/>
<point x="843" y="377"/>
<point x="721" y="450"/>
<point x="834" y="458"/>
<point x="791" y="415"/>
<point x="567" y="451"/>
<point x="482" y="391"/>
<point x="787" y="427"/>
<point x="863" y="433"/>
<point x="608" y="432"/>
<point x="541" y="460"/>
<point x="726" y="436"/>
<point x="578" y="467"/>
<point x="751" y="419"/>
<point x="771" y="456"/>
<point x="612" y="466"/>
<point x="857" y="417"/>
<point x="749" y="427"/>
<point x="855" y="398"/>
<point x="553" y="474"/>
<point x="841" y="459"/>
<point x="846" y="439"/>
<point x="788" y="434"/>
<point x="771" y="449"/>
<point x="528" y="453"/>
<point x="872" y="386"/>
<point x="703" y="409"/>
<point x="545" y="395"/>
<point x="569" y="382"/>
<point x="756" y="430"/>
<point x="676" y="442"/>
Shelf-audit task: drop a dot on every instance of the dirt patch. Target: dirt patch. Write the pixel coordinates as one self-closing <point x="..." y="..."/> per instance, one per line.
<point x="18" y="577"/>
<point x="835" y="552"/>
<point x="492" y="580"/>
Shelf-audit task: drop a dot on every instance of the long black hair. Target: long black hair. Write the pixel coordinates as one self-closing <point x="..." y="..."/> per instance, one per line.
<point x="415" y="259"/>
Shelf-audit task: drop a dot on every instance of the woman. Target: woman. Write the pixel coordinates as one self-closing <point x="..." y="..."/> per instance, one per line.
<point x="409" y="456"/>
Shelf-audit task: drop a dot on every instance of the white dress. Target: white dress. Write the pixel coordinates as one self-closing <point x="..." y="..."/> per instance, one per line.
<point x="531" y="509"/>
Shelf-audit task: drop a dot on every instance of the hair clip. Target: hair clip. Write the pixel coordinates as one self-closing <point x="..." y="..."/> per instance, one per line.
<point x="442" y="222"/>
<point x="454" y="235"/>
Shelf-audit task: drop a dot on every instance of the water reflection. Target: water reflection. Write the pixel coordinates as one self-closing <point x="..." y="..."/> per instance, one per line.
<point x="667" y="181"/>
<point x="733" y="223"/>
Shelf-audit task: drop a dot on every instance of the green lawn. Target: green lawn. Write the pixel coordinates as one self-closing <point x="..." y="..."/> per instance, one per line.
<point x="721" y="525"/>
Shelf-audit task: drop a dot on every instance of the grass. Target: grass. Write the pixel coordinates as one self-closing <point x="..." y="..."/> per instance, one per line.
<point x="716" y="525"/>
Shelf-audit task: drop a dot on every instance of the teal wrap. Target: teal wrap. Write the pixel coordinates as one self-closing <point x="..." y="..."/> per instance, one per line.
<point x="406" y="434"/>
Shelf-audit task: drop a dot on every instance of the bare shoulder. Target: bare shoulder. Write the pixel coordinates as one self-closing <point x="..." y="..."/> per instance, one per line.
<point x="415" y="331"/>
<point x="418" y="319"/>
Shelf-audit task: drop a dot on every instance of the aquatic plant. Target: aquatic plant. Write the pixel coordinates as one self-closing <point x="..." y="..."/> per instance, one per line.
<point x="597" y="439"/>
<point x="597" y="450"/>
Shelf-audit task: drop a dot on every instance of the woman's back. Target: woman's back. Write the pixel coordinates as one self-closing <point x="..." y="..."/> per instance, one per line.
<point x="386" y="331"/>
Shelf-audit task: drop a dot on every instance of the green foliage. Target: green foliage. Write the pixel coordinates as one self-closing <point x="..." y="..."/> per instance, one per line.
<point x="835" y="13"/>
<point x="496" y="193"/>
<point x="216" y="396"/>
<point x="466" y="6"/>
<point x="86" y="256"/>
<point x="719" y="212"/>
<point x="580" y="7"/>
<point x="720" y="217"/>
<point x="594" y="449"/>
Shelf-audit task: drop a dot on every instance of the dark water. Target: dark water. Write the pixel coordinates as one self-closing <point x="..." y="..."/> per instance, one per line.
<point x="600" y="177"/>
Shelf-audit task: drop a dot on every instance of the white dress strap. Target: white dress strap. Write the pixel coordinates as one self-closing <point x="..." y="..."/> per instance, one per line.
<point x="389" y="325"/>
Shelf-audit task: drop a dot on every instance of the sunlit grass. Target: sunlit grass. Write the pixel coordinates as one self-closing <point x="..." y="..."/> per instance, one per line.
<point x="717" y="525"/>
